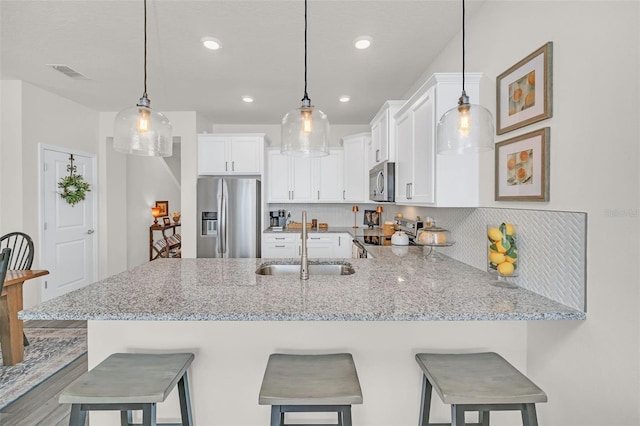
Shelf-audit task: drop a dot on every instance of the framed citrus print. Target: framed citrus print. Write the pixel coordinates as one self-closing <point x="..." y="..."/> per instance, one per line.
<point x="522" y="167"/>
<point x="523" y="92"/>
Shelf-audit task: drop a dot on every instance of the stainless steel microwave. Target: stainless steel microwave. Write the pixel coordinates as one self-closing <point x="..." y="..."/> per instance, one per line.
<point x="382" y="181"/>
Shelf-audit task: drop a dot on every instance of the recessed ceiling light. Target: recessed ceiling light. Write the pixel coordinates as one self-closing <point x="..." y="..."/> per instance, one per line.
<point x="211" y="43"/>
<point x="345" y="98"/>
<point x="247" y="99"/>
<point x="362" y="42"/>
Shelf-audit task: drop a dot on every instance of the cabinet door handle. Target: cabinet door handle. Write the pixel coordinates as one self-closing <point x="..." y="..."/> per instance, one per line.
<point x="314" y="238"/>
<point x="226" y="166"/>
<point x="279" y="238"/>
<point x="339" y="241"/>
<point x="344" y="195"/>
<point x="318" y="195"/>
<point x="279" y="245"/>
<point x="299" y="251"/>
<point x="233" y="166"/>
<point x="377" y="156"/>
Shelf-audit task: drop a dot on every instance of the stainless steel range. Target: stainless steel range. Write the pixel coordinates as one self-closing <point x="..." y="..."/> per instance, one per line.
<point x="410" y="227"/>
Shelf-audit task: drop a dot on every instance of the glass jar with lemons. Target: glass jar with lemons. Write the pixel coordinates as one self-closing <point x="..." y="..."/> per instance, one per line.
<point x="503" y="251"/>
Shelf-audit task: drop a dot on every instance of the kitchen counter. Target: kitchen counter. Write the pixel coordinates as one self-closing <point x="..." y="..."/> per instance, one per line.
<point x="393" y="307"/>
<point x="400" y="284"/>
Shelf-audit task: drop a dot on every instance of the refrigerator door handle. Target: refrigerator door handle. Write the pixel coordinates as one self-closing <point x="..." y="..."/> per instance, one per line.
<point x="223" y="224"/>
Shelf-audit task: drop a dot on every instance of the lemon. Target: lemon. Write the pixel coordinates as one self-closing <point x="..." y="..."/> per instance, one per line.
<point x="506" y="268"/>
<point x="509" y="229"/>
<point x="511" y="259"/>
<point x="497" y="258"/>
<point x="500" y="247"/>
<point x="494" y="234"/>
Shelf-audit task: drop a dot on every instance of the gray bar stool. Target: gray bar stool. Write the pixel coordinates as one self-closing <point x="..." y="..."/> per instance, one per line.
<point x="480" y="382"/>
<point x="310" y="383"/>
<point x="127" y="381"/>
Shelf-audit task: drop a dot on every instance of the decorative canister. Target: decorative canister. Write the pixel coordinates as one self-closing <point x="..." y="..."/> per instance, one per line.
<point x="503" y="250"/>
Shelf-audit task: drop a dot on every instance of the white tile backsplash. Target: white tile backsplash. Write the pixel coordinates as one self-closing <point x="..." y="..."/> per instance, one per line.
<point x="551" y="244"/>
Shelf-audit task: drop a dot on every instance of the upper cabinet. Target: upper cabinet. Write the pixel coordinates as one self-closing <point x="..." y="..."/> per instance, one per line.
<point x="231" y="154"/>
<point x="423" y="177"/>
<point x="292" y="179"/>
<point x="383" y="137"/>
<point x="356" y="170"/>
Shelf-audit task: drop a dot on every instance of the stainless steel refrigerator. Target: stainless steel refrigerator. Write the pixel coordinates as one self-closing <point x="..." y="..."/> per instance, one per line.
<point x="229" y="217"/>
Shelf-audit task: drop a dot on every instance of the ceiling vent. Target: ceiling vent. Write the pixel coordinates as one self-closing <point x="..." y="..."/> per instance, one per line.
<point x="68" y="71"/>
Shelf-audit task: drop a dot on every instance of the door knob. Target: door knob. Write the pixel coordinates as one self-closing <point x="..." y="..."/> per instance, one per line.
<point x="90" y="231"/>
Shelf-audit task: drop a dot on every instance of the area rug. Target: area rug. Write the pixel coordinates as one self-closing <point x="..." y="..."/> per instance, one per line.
<point x="49" y="351"/>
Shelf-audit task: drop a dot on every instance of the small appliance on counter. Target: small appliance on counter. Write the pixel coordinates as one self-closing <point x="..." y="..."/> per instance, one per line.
<point x="400" y="238"/>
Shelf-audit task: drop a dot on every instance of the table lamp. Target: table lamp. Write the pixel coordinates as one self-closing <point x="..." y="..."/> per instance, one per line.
<point x="155" y="212"/>
<point x="355" y="212"/>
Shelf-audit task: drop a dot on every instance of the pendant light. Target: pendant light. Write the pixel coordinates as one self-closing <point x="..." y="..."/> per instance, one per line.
<point x="467" y="127"/>
<point x="305" y="130"/>
<point x="138" y="130"/>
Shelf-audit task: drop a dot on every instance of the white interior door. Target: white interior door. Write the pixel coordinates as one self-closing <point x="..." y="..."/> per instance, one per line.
<point x="68" y="231"/>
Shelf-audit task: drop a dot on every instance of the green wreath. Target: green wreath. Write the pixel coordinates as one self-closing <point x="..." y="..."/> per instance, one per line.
<point x="74" y="189"/>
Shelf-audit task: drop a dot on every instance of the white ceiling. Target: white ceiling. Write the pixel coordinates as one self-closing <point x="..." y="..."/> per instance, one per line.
<point x="262" y="54"/>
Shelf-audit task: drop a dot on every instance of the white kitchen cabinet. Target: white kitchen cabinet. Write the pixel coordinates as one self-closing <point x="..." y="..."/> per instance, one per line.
<point x="231" y="154"/>
<point x="424" y="178"/>
<point x="320" y="245"/>
<point x="280" y="245"/>
<point x="292" y="179"/>
<point x="328" y="178"/>
<point x="356" y="171"/>
<point x="383" y="139"/>
<point x="342" y="245"/>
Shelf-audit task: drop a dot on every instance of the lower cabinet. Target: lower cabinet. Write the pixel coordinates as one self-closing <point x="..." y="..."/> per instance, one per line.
<point x="320" y="245"/>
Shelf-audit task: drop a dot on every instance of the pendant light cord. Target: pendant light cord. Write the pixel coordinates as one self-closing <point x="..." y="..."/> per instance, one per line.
<point x="463" y="53"/>
<point x="144" y="95"/>
<point x="306" y="96"/>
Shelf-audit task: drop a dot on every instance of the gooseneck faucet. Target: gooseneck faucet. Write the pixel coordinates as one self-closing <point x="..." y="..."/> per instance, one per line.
<point x="304" y="260"/>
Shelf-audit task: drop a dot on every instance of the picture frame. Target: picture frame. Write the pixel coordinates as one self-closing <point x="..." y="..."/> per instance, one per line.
<point x="371" y="218"/>
<point x="522" y="167"/>
<point x="164" y="208"/>
<point x="166" y="221"/>
<point x="524" y="91"/>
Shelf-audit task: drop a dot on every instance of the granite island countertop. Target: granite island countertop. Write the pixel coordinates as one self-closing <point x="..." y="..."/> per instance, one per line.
<point x="398" y="285"/>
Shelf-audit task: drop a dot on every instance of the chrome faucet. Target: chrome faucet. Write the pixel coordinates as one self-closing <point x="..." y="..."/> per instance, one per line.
<point x="304" y="260"/>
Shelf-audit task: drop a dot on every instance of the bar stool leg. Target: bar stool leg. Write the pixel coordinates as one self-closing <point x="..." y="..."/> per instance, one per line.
<point x="77" y="416"/>
<point x="126" y="417"/>
<point x="277" y="417"/>
<point x="185" y="400"/>
<point x="344" y="416"/>
<point x="483" y="418"/>
<point x="425" y="403"/>
<point x="457" y="415"/>
<point x="529" y="417"/>
<point x="149" y="415"/>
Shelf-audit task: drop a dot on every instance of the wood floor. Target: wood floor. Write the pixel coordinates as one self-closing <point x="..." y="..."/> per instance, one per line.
<point x="40" y="405"/>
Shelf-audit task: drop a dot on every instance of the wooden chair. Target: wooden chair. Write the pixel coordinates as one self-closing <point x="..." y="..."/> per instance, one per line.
<point x="22" y="250"/>
<point x="22" y="253"/>
<point x="5" y="255"/>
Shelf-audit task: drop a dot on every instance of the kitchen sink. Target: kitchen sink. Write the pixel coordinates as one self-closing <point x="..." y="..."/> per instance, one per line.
<point x="315" y="268"/>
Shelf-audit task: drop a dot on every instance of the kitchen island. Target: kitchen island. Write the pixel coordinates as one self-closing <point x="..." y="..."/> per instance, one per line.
<point x="394" y="306"/>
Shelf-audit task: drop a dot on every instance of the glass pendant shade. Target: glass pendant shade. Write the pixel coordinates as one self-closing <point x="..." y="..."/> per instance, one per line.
<point x="465" y="128"/>
<point x="140" y="131"/>
<point x="305" y="132"/>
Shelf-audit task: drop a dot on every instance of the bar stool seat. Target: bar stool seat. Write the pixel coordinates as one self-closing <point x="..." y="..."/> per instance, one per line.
<point x="310" y="383"/>
<point x="130" y="381"/>
<point x="480" y="382"/>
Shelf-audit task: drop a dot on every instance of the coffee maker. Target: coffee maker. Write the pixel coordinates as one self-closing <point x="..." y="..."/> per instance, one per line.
<point x="273" y="218"/>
